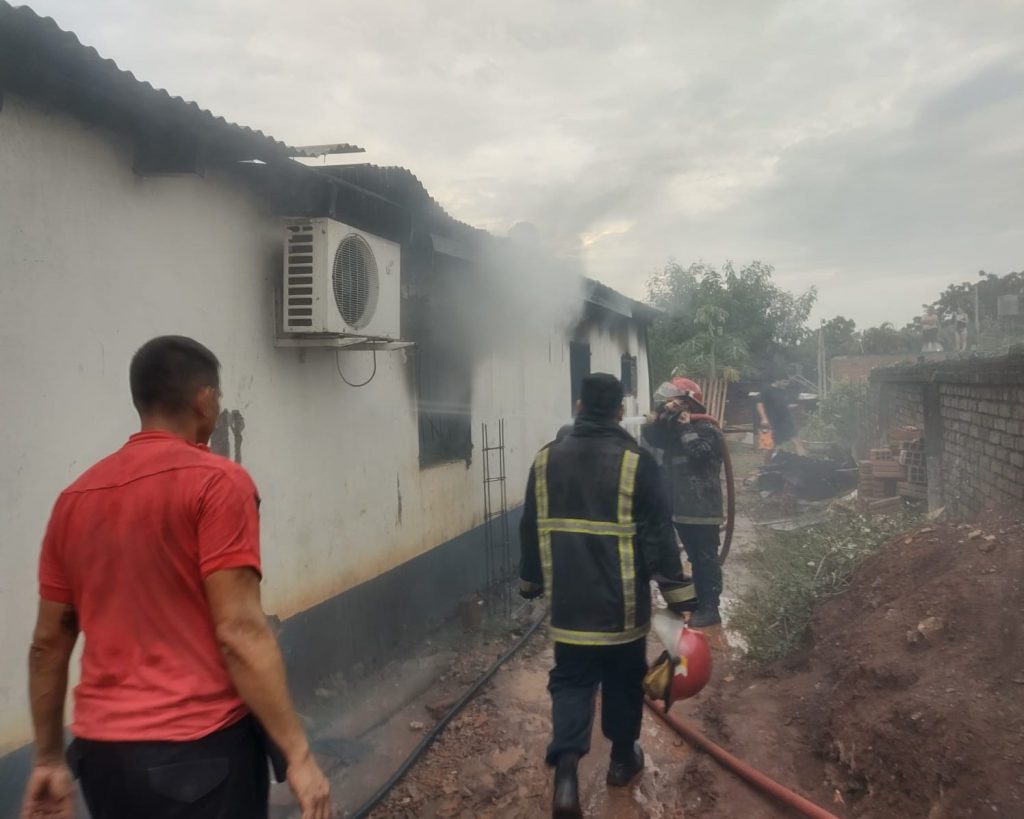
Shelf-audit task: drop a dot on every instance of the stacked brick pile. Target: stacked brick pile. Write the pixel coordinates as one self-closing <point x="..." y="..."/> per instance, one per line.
<point x="894" y="472"/>
<point x="911" y="458"/>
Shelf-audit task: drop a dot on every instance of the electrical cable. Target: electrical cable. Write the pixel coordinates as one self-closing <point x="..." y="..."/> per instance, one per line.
<point x="337" y="364"/>
<point x="428" y="740"/>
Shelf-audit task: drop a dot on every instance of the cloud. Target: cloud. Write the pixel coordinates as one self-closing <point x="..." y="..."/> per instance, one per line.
<point x="872" y="149"/>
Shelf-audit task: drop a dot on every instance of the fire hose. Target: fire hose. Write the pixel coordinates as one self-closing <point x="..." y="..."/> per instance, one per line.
<point x="765" y="784"/>
<point x="754" y="777"/>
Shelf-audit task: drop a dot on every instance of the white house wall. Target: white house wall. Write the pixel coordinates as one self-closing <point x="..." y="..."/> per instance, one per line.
<point x="95" y="260"/>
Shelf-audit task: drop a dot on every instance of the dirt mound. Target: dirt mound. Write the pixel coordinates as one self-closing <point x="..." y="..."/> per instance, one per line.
<point x="920" y="705"/>
<point x="910" y="701"/>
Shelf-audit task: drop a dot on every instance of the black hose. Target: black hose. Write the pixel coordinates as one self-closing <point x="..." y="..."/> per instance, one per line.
<point x="431" y="735"/>
<point x="730" y="513"/>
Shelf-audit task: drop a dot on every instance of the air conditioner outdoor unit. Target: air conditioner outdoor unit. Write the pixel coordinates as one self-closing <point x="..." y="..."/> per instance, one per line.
<point x="340" y="282"/>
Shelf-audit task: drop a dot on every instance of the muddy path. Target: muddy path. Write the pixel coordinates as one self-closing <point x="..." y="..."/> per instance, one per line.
<point x="489" y="760"/>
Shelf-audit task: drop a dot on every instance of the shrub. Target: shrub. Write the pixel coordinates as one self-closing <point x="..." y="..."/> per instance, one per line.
<point x="794" y="571"/>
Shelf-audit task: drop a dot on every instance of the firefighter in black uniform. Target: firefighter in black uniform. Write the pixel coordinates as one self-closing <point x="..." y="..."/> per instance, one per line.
<point x="596" y="529"/>
<point x="692" y="456"/>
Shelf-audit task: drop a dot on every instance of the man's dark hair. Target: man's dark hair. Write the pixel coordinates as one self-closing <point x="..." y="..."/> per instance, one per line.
<point x="601" y="395"/>
<point x="166" y="372"/>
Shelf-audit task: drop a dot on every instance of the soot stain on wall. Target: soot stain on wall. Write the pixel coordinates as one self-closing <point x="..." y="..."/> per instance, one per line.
<point x="228" y="431"/>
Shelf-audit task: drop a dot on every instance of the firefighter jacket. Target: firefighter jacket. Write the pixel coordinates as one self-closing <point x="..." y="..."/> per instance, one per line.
<point x="596" y="529"/>
<point x="692" y="462"/>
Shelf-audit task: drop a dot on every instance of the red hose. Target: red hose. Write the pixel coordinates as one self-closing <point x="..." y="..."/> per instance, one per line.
<point x="730" y="488"/>
<point x="763" y="783"/>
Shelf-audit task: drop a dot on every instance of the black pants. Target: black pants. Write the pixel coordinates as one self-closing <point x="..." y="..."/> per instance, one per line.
<point x="573" y="683"/>
<point x="221" y="776"/>
<point x="701" y="542"/>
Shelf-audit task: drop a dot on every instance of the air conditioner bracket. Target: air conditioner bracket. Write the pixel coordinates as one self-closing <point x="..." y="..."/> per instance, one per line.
<point x="339" y="342"/>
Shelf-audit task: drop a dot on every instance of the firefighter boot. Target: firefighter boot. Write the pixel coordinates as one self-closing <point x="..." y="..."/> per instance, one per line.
<point x="705" y="618"/>
<point x="626" y="764"/>
<point x="566" y="804"/>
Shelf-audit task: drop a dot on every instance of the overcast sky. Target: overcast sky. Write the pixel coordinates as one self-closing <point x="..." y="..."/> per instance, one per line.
<point x="873" y="148"/>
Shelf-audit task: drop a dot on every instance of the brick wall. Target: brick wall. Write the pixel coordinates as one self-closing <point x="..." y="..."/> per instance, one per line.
<point x="972" y="413"/>
<point x="858" y="368"/>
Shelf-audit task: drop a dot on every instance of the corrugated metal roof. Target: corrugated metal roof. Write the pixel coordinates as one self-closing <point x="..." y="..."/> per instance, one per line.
<point x="604" y="296"/>
<point x="41" y="61"/>
<point x="402" y="186"/>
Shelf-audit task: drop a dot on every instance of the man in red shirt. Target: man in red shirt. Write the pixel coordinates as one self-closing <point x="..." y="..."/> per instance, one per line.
<point x="153" y="554"/>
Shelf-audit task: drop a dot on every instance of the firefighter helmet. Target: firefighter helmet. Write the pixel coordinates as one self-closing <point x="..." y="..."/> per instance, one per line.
<point x="688" y="387"/>
<point x="694" y="667"/>
<point x="684" y="668"/>
<point x="665" y="393"/>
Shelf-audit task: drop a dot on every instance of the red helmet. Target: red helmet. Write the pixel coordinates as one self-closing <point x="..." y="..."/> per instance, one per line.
<point x="684" y="668"/>
<point x="692" y="387"/>
<point x="694" y="667"/>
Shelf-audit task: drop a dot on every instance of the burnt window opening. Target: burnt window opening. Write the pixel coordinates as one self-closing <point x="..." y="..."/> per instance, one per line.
<point x="628" y="374"/>
<point x="445" y="432"/>
<point x="444" y="381"/>
<point x="579" y="368"/>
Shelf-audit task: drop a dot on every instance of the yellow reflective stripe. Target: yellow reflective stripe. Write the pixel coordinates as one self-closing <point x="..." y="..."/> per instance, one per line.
<point x="597" y="638"/>
<point x="627" y="568"/>
<point x="528" y="586"/>
<point x="627" y="552"/>
<point x="545" y="561"/>
<point x="627" y="484"/>
<point x="540" y="473"/>
<point x="712" y="521"/>
<point x="684" y="594"/>
<point x="586" y="527"/>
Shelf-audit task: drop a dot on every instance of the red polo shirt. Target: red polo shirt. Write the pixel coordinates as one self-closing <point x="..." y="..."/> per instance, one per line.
<point x="128" y="545"/>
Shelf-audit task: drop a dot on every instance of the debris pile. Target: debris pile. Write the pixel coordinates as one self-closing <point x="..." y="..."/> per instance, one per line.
<point x="810" y="479"/>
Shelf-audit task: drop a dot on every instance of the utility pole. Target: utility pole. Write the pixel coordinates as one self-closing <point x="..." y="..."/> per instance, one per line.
<point x="822" y="363"/>
<point x="977" y="316"/>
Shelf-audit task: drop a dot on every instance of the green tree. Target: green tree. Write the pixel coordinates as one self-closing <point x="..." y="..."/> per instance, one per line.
<point x="885" y="339"/>
<point x="843" y="417"/>
<point x="711" y="352"/>
<point x="841" y="336"/>
<point x="725" y="319"/>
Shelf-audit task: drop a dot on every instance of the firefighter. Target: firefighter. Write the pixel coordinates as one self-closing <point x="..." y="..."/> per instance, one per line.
<point x="596" y="529"/>
<point x="692" y="453"/>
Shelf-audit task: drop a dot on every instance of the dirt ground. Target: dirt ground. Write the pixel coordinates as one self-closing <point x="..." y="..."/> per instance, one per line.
<point x="489" y="763"/>
<point x="910" y="701"/>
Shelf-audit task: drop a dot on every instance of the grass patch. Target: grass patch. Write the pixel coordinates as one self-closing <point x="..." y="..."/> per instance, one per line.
<point x="795" y="571"/>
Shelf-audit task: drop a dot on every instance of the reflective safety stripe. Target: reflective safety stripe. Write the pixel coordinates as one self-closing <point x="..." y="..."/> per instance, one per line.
<point x="540" y="476"/>
<point x="597" y="638"/>
<point x="627" y="484"/>
<point x="586" y="527"/>
<point x="699" y="521"/>
<point x="627" y="554"/>
<point x="684" y="594"/>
